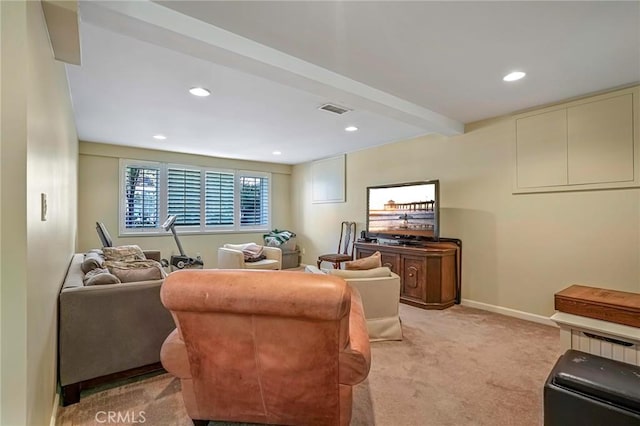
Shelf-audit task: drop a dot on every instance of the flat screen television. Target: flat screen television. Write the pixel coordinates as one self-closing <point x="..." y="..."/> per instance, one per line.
<point x="406" y="211"/>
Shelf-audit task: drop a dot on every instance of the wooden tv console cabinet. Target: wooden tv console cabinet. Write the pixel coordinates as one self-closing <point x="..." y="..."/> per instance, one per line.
<point x="427" y="274"/>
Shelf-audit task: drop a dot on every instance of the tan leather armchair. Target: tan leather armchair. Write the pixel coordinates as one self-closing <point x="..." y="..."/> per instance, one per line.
<point x="230" y="256"/>
<point x="265" y="346"/>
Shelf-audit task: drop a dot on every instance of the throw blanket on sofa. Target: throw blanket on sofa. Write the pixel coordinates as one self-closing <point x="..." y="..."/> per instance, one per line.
<point x="276" y="238"/>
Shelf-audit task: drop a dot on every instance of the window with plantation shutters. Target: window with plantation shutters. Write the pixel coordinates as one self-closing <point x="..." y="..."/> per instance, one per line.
<point x="219" y="198"/>
<point x="183" y="195"/>
<point x="142" y="198"/>
<point x="205" y="200"/>
<point x="254" y="201"/>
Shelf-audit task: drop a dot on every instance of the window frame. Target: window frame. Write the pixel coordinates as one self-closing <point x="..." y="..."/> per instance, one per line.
<point x="122" y="199"/>
<point x="163" y="202"/>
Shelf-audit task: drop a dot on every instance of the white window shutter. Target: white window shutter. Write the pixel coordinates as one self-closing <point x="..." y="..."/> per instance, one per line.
<point x="219" y="198"/>
<point x="183" y="194"/>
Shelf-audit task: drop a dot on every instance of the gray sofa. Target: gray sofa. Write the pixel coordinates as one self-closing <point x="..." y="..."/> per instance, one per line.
<point x="108" y="331"/>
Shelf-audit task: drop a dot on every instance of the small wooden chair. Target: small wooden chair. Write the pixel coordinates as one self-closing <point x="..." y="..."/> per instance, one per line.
<point x="345" y="246"/>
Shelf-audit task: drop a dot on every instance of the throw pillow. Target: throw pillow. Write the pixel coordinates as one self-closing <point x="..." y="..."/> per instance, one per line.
<point x="124" y="253"/>
<point x="381" y="272"/>
<point x="99" y="276"/>
<point x="91" y="261"/>
<point x="373" y="261"/>
<point x="139" y="274"/>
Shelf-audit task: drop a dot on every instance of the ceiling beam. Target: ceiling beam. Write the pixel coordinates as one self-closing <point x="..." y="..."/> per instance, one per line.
<point x="167" y="28"/>
<point x="61" y="17"/>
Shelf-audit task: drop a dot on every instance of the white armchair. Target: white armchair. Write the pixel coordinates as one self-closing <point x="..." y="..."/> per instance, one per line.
<point x="380" y="292"/>
<point x="230" y="256"/>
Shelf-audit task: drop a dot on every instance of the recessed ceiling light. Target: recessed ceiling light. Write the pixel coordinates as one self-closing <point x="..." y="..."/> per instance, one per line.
<point x="160" y="137"/>
<point x="276" y="153"/>
<point x="199" y="91"/>
<point x="350" y="129"/>
<point x="516" y="75"/>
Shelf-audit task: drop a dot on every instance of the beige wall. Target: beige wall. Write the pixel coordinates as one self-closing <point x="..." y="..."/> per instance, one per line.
<point x="1" y="137"/>
<point x="13" y="293"/>
<point x="99" y="199"/>
<point x="518" y="250"/>
<point x="39" y="155"/>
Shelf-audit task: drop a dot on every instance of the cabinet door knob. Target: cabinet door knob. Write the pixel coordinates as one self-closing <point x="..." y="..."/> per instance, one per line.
<point x="410" y="275"/>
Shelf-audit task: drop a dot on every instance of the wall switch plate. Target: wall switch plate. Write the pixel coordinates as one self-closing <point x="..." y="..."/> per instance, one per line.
<point x="43" y="207"/>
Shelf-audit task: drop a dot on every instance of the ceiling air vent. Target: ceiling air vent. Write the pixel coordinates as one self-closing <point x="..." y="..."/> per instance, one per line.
<point x="336" y="109"/>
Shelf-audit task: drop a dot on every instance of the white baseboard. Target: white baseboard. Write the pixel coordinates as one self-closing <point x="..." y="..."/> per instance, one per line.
<point x="509" y="312"/>
<point x="54" y="411"/>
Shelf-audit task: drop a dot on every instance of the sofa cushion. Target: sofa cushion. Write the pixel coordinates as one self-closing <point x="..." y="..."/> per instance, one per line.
<point x="371" y="262"/>
<point x="380" y="272"/>
<point x="99" y="276"/>
<point x="124" y="253"/>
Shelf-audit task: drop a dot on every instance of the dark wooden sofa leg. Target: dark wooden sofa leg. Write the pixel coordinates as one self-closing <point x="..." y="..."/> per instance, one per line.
<point x="71" y="394"/>
<point x="200" y="422"/>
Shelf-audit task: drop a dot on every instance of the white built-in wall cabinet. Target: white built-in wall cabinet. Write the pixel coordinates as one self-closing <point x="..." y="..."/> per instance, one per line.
<point x="591" y="143"/>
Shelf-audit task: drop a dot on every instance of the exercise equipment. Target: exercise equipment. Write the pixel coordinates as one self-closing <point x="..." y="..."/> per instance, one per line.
<point x="181" y="261"/>
<point x="103" y="234"/>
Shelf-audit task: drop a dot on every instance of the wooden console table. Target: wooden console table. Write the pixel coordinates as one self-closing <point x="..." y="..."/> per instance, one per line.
<point x="599" y="321"/>
<point x="599" y="303"/>
<point x="428" y="275"/>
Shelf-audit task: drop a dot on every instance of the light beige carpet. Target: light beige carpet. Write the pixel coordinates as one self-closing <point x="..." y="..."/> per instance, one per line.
<point x="460" y="366"/>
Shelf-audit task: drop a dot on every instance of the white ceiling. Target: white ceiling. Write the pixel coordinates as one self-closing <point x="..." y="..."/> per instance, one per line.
<point x="406" y="68"/>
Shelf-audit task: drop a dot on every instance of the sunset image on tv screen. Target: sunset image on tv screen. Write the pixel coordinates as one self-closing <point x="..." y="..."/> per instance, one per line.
<point x="405" y="210"/>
